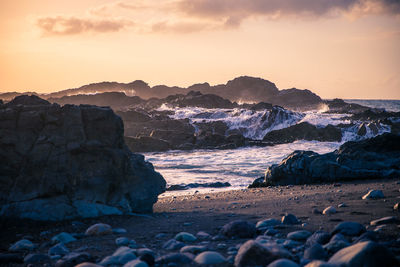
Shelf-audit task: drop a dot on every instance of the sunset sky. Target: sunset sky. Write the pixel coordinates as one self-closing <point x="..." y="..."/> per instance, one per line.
<point x="341" y="48"/>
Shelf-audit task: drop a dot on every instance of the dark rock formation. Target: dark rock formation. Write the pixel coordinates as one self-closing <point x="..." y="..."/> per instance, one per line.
<point x="338" y="105"/>
<point x="378" y="157"/>
<point x="240" y="89"/>
<point x="67" y="162"/>
<point x="115" y="100"/>
<point x="304" y="131"/>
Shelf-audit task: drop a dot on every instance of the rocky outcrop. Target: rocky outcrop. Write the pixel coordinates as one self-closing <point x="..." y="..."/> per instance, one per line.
<point x="338" y="105"/>
<point x="240" y="89"/>
<point x="304" y="131"/>
<point x="68" y="162"/>
<point x="378" y="157"/>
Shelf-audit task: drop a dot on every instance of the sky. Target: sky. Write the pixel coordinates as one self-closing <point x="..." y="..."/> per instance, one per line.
<point x="341" y="48"/>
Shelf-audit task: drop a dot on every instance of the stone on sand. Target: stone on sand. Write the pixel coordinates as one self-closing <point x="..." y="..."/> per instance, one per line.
<point x="283" y="263"/>
<point x="58" y="249"/>
<point x="22" y="244"/>
<point x="300" y="235"/>
<point x="63" y="238"/>
<point x="386" y="220"/>
<point x="136" y="263"/>
<point x="349" y="228"/>
<point x="253" y="253"/>
<point x="239" y="229"/>
<point x="368" y="253"/>
<point x="329" y="210"/>
<point x="185" y="237"/>
<point x="373" y="194"/>
<point x="209" y="257"/>
<point x="98" y="229"/>
<point x="121" y="256"/>
<point x="289" y="219"/>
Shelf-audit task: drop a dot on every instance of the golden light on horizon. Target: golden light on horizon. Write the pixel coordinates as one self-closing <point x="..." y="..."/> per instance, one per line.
<point x="347" y="49"/>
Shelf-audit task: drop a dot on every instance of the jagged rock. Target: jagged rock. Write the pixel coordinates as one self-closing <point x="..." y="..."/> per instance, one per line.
<point x="69" y="162"/>
<point x="147" y="144"/>
<point x="371" y="158"/>
<point x="304" y="131"/>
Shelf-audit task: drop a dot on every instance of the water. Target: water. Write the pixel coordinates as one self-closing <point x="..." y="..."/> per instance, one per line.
<point x="240" y="167"/>
<point x="388" y="105"/>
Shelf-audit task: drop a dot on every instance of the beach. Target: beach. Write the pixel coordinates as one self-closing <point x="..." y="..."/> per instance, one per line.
<point x="209" y="212"/>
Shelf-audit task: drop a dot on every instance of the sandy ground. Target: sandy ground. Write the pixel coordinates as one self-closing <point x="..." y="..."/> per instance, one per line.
<point x="209" y="212"/>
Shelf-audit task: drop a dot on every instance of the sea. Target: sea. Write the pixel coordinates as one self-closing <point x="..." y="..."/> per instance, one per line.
<point x="239" y="167"/>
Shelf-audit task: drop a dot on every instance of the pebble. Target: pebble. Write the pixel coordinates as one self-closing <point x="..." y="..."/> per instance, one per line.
<point x="73" y="259"/>
<point x="385" y="220"/>
<point x="121" y="256"/>
<point x="177" y="258"/>
<point x="203" y="236"/>
<point x="209" y="257"/>
<point x="193" y="249"/>
<point x="315" y="252"/>
<point x="185" y="237"/>
<point x="342" y="205"/>
<point x="349" y="228"/>
<point x="299" y="235"/>
<point x="271" y="232"/>
<point x="396" y="206"/>
<point x="22" y="244"/>
<point x="283" y="263"/>
<point x="173" y="244"/>
<point x="136" y="263"/>
<point x="373" y="194"/>
<point x="88" y="264"/>
<point x="364" y="254"/>
<point x="239" y="229"/>
<point x="253" y="253"/>
<point x="99" y="229"/>
<point x="160" y="236"/>
<point x="318" y="237"/>
<point x="329" y="210"/>
<point x="221" y="246"/>
<point x="119" y="231"/>
<point x="63" y="238"/>
<point x="59" y="249"/>
<point x="122" y="241"/>
<point x="289" y="219"/>
<point x="267" y="223"/>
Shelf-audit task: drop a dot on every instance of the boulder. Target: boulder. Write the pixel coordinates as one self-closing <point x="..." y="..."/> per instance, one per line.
<point x="371" y="158"/>
<point x="304" y="131"/>
<point x="364" y="254"/>
<point x="70" y="162"/>
<point x="349" y="229"/>
<point x="209" y="257"/>
<point x="253" y="253"/>
<point x="239" y="229"/>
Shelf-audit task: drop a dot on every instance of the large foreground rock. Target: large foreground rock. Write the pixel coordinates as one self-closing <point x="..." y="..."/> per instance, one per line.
<point x="378" y="157"/>
<point x="67" y="162"/>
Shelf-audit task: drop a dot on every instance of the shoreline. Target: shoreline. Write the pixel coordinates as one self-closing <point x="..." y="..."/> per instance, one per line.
<point x="208" y="212"/>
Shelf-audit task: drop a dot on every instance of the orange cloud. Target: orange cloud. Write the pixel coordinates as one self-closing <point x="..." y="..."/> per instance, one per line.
<point x="61" y="25"/>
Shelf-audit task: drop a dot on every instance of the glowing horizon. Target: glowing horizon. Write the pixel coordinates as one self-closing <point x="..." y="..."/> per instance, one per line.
<point x="346" y="49"/>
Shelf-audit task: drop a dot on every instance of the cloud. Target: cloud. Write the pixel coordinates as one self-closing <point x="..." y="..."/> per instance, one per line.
<point x="239" y="10"/>
<point x="187" y="16"/>
<point x="62" y="25"/>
